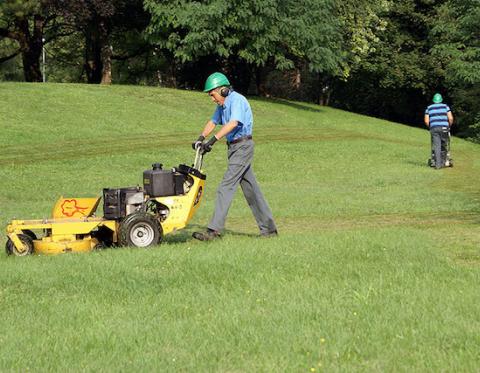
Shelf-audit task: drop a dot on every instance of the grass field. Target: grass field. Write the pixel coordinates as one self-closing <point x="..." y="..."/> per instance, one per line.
<point x="376" y="268"/>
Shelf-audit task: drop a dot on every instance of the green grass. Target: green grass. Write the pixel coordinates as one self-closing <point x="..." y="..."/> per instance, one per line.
<point x="376" y="267"/>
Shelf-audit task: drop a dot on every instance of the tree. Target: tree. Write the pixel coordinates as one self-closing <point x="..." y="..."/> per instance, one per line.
<point x="457" y="37"/>
<point x="97" y="20"/>
<point x="457" y="55"/>
<point x="25" y="22"/>
<point x="395" y="78"/>
<point x="267" y="33"/>
<point x="362" y="24"/>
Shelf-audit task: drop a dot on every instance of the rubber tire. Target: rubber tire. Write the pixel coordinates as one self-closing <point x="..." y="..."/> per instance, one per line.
<point x="131" y="221"/>
<point x="29" y="233"/>
<point x="99" y="246"/>
<point x="26" y="240"/>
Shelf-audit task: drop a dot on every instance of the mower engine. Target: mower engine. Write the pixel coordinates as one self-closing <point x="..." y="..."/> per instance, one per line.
<point x="118" y="203"/>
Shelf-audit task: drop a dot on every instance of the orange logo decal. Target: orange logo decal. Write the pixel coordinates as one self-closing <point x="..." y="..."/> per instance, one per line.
<point x="70" y="208"/>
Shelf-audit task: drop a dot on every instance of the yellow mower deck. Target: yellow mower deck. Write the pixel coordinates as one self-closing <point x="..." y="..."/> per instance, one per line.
<point x="62" y="234"/>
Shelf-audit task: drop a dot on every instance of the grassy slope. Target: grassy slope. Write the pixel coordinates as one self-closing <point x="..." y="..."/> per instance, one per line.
<point x="376" y="267"/>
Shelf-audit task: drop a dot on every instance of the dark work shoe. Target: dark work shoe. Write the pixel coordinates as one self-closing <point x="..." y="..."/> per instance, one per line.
<point x="209" y="235"/>
<point x="269" y="234"/>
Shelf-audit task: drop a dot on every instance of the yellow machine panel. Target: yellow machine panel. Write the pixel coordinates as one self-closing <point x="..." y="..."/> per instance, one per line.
<point x="74" y="207"/>
<point x="49" y="247"/>
<point x="183" y="207"/>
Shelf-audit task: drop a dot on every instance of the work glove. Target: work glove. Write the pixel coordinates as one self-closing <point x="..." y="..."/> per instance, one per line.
<point x="198" y="142"/>
<point x="207" y="146"/>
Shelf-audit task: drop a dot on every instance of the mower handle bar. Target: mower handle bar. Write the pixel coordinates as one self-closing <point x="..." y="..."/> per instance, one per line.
<point x="197" y="164"/>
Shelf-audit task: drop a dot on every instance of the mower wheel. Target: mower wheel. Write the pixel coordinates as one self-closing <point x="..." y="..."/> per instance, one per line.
<point x="30" y="234"/>
<point x="140" y="229"/>
<point x="26" y="240"/>
<point x="100" y="246"/>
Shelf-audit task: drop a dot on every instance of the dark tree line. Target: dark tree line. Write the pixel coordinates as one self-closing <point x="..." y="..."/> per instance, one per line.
<point x="379" y="57"/>
<point x="33" y="23"/>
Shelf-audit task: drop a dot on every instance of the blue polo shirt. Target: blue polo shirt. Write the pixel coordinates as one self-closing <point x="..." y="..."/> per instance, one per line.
<point x="235" y="107"/>
<point x="438" y="115"/>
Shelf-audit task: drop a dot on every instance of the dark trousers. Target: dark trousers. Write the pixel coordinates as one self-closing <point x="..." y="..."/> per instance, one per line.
<point x="439" y="145"/>
<point x="239" y="172"/>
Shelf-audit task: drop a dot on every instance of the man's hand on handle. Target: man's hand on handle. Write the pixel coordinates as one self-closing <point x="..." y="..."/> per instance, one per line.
<point x="198" y="142"/>
<point x="207" y="146"/>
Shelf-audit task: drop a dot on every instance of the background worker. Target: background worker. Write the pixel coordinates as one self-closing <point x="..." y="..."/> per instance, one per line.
<point x="234" y="114"/>
<point x="438" y="118"/>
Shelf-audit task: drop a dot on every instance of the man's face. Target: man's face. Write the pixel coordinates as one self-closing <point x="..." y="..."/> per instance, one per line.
<point x="216" y="97"/>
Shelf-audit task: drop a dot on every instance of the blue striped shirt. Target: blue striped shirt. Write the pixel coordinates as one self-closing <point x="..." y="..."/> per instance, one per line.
<point x="438" y="114"/>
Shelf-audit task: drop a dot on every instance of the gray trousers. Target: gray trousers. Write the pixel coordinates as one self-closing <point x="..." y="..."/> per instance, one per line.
<point x="239" y="172"/>
<point x="439" y="144"/>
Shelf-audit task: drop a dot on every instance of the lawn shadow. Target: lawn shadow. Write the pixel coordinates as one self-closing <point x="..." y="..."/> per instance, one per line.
<point x="418" y="164"/>
<point x="180" y="237"/>
<point x="240" y="234"/>
<point x="185" y="235"/>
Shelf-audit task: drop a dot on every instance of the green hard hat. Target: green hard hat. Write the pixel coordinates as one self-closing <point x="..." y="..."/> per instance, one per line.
<point x="214" y="81"/>
<point x="437" y="98"/>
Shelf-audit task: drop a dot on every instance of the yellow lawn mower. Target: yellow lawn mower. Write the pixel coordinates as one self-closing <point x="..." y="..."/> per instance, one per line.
<point x="132" y="216"/>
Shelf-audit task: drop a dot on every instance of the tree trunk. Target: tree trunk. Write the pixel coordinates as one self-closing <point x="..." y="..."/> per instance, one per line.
<point x="324" y="91"/>
<point x="297" y="79"/>
<point x="107" y="64"/>
<point x="98" y="53"/>
<point x="93" y="51"/>
<point x="31" y="45"/>
<point x="260" y="75"/>
<point x="172" y="74"/>
<point x="31" y="65"/>
<point x="106" y="54"/>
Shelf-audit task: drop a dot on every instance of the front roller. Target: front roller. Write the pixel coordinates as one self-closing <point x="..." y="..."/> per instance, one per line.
<point x="140" y="229"/>
<point x="27" y="243"/>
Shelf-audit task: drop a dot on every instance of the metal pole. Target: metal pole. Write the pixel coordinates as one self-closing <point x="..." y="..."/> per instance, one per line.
<point x="43" y="60"/>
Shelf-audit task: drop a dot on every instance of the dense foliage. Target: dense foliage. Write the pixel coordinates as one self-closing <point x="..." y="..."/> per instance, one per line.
<point x="379" y="57"/>
<point x="458" y="49"/>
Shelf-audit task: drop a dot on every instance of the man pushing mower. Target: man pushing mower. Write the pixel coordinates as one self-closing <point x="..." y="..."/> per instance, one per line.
<point x="234" y="114"/>
<point x="438" y="118"/>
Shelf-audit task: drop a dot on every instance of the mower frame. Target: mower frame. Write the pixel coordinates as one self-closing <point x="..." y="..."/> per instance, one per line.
<point x="76" y="229"/>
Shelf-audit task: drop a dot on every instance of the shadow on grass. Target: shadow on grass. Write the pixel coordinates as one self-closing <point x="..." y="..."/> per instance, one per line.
<point x="418" y="164"/>
<point x="185" y="235"/>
